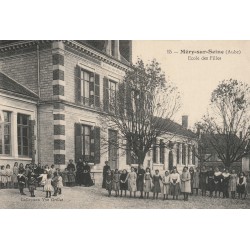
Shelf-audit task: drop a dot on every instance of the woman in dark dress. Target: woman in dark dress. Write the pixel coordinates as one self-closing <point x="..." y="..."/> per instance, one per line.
<point x="191" y="172"/>
<point x="217" y="181"/>
<point x="203" y="181"/>
<point x="79" y="172"/>
<point x="225" y="183"/>
<point x="71" y="173"/>
<point x="104" y="173"/>
<point x="124" y="182"/>
<point x="210" y="181"/>
<point x="87" y="181"/>
<point x="140" y="180"/>
<point x="241" y="185"/>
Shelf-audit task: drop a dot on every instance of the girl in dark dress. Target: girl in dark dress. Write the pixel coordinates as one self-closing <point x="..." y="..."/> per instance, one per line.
<point x="140" y="180"/>
<point x="104" y="173"/>
<point x="241" y="185"/>
<point x="203" y="181"/>
<point x="79" y="172"/>
<point x="108" y="182"/>
<point x="225" y="183"/>
<point x="210" y="181"/>
<point x="124" y="182"/>
<point x="87" y="181"/>
<point x="191" y="172"/>
<point x="156" y="184"/>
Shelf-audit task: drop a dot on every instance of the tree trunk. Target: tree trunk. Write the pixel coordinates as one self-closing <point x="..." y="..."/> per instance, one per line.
<point x="141" y="156"/>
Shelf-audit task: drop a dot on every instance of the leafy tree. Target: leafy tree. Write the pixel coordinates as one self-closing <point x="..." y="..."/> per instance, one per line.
<point x="142" y="108"/>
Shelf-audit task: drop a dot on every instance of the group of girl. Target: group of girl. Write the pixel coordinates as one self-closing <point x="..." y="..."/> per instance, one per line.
<point x="174" y="183"/>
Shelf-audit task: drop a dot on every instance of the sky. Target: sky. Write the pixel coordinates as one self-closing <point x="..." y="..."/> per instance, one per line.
<point x="196" y="79"/>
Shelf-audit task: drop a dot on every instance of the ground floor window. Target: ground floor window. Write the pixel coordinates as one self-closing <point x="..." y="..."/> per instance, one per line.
<point x="5" y="133"/>
<point x="23" y="134"/>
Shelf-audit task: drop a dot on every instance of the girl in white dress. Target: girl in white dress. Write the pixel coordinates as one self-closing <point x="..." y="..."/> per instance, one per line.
<point x="43" y="178"/>
<point x="131" y="178"/>
<point x="175" y="184"/>
<point x="9" y="174"/>
<point x="48" y="187"/>
<point x="60" y="183"/>
<point x="166" y="185"/>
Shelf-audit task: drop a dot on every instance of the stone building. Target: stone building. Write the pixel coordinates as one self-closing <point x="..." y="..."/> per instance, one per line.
<point x="51" y="94"/>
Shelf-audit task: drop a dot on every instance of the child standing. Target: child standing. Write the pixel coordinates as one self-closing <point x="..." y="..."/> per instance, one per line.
<point x="241" y="185"/>
<point x="65" y="177"/>
<point x="196" y="180"/>
<point x="60" y="183"/>
<point x="147" y="182"/>
<point x="43" y="178"/>
<point x="14" y="176"/>
<point x="225" y="183"/>
<point x="233" y="184"/>
<point x="21" y="181"/>
<point x="185" y="183"/>
<point x="116" y="182"/>
<point x="166" y="185"/>
<point x="109" y="182"/>
<point x="9" y="174"/>
<point x="123" y="182"/>
<point x="32" y="183"/>
<point x="55" y="183"/>
<point x="156" y="184"/>
<point x="48" y="187"/>
<point x="3" y="177"/>
<point x="131" y="178"/>
<point x="175" y="184"/>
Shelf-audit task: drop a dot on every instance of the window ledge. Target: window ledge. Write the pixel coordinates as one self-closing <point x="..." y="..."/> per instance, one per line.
<point x="4" y="157"/>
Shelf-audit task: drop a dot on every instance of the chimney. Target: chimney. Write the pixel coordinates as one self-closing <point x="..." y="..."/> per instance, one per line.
<point x="185" y="121"/>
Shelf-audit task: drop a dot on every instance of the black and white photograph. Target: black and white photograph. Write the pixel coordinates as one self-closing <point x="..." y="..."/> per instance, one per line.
<point x="107" y="124"/>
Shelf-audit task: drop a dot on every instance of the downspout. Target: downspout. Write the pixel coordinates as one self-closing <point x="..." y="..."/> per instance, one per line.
<point x="38" y="103"/>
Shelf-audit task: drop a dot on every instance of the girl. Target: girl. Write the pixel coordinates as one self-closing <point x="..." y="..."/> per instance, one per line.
<point x="196" y="180"/>
<point x="147" y="182"/>
<point x="185" y="183"/>
<point x="247" y="190"/>
<point x="21" y="181"/>
<point x="54" y="183"/>
<point x="109" y="182"/>
<point x="140" y="180"/>
<point x="9" y="174"/>
<point x="175" y="184"/>
<point x="72" y="176"/>
<point x="191" y="172"/>
<point x="233" y="183"/>
<point x="241" y="185"/>
<point x="32" y="183"/>
<point x="116" y="182"/>
<point x="166" y="185"/>
<point x="3" y="177"/>
<point x="123" y="182"/>
<point x="60" y="183"/>
<point x="48" y="187"/>
<point x="14" y="176"/>
<point x="156" y="184"/>
<point x="20" y="168"/>
<point x="43" y="178"/>
<point x="131" y="178"/>
<point x="217" y="181"/>
<point x="203" y="181"/>
<point x="210" y="181"/>
<point x="65" y="177"/>
<point x="225" y="183"/>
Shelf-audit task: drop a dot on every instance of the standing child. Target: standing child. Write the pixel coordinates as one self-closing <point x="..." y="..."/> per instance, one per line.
<point x="123" y="182"/>
<point x="233" y="184"/>
<point x="192" y="173"/>
<point x="247" y="189"/>
<point x="21" y="181"/>
<point x="48" y="187"/>
<point x="156" y="184"/>
<point x="65" y="177"/>
<point x="225" y="183"/>
<point x="131" y="178"/>
<point x="217" y="181"/>
<point x="166" y="185"/>
<point x="241" y="185"/>
<point x="32" y="183"/>
<point x="43" y="178"/>
<point x="116" y="182"/>
<point x="109" y="181"/>
<point x="60" y="183"/>
<point x="14" y="176"/>
<point x="3" y="177"/>
<point x="147" y="182"/>
<point x="203" y="180"/>
<point x="210" y="181"/>
<point x="185" y="183"/>
<point x="54" y="183"/>
<point x="9" y="174"/>
<point x="175" y="184"/>
<point x="196" y="181"/>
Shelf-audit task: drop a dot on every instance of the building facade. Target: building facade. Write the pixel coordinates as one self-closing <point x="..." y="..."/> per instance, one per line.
<point x="51" y="96"/>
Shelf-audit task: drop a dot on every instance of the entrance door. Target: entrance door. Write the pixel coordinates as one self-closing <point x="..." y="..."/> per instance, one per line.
<point x="113" y="149"/>
<point x="170" y="161"/>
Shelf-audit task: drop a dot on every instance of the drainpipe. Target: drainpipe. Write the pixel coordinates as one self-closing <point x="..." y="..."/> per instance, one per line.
<point x="38" y="103"/>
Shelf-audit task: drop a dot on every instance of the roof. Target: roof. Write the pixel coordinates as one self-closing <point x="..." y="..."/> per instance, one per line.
<point x="9" y="85"/>
<point x="175" y="128"/>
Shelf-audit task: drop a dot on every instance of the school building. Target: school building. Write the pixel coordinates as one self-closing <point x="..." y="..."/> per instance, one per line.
<point x="51" y="95"/>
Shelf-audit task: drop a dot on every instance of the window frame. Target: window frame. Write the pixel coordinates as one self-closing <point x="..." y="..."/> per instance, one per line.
<point x="22" y="126"/>
<point x="83" y="141"/>
<point x="2" y="125"/>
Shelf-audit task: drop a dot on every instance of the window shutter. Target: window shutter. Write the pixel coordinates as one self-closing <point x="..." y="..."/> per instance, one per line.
<point x="78" y="84"/>
<point x="97" y="91"/>
<point x="105" y="94"/>
<point x="32" y="139"/>
<point x="97" y="145"/>
<point x="92" y="144"/>
<point x="91" y="90"/>
<point x="128" y="154"/>
<point x="78" y="141"/>
<point x="121" y="99"/>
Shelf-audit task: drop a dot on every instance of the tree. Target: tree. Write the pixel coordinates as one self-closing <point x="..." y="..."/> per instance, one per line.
<point x="226" y="126"/>
<point x="141" y="109"/>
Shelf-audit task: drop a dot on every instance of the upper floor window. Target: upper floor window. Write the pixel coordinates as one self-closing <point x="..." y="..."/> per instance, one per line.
<point x="109" y="95"/>
<point x="87" y="88"/>
<point x="162" y="152"/>
<point x="5" y="133"/>
<point x="23" y="137"/>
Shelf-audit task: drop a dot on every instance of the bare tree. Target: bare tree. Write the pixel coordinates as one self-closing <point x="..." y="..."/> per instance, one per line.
<point x="141" y="109"/>
<point x="226" y="126"/>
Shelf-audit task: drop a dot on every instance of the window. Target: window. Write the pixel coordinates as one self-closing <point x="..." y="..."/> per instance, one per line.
<point x="193" y="155"/>
<point x="23" y="134"/>
<point x="5" y="133"/>
<point x="86" y="142"/>
<point x="89" y="89"/>
<point x="162" y="151"/>
<point x="183" y="154"/>
<point x="109" y="95"/>
<point x="178" y="153"/>
<point x="154" y="154"/>
<point x="189" y="154"/>
<point x="112" y="95"/>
